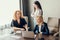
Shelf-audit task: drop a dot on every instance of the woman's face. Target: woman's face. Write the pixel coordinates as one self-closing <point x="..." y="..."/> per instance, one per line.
<point x="39" y="19"/>
<point x="18" y="15"/>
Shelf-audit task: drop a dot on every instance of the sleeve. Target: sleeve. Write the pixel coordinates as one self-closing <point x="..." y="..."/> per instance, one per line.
<point x="12" y="23"/>
<point x="36" y="30"/>
<point x="46" y="30"/>
<point x="24" y="22"/>
<point x="32" y="14"/>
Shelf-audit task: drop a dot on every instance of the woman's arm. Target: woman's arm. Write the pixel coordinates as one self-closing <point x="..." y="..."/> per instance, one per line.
<point x="26" y="27"/>
<point x="32" y="14"/>
<point x="36" y="30"/>
<point x="46" y="30"/>
<point x="16" y="29"/>
<point x="25" y="24"/>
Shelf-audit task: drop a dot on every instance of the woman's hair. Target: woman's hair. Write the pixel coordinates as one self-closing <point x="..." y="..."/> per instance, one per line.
<point x="40" y="17"/>
<point x="21" y="14"/>
<point x="38" y="4"/>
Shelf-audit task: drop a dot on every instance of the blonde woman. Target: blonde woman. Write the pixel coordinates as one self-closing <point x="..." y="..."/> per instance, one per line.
<point x="41" y="28"/>
<point x="19" y="22"/>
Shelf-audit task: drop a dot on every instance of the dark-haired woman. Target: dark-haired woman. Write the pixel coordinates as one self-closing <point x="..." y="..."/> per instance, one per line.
<point x="37" y="11"/>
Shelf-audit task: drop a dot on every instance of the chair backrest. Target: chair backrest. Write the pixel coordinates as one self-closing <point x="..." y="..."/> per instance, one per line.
<point x="53" y="23"/>
<point x="26" y="19"/>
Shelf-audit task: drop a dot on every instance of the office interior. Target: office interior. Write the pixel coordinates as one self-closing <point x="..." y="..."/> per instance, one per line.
<point x="51" y="15"/>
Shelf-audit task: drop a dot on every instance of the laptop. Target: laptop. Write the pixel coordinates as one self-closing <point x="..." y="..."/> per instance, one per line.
<point x="28" y="34"/>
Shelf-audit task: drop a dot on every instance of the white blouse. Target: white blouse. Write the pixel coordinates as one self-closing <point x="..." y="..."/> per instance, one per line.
<point x="38" y="12"/>
<point x="39" y="28"/>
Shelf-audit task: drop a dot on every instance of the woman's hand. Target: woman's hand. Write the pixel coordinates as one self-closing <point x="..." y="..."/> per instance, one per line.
<point x="35" y="36"/>
<point x="22" y="29"/>
<point x="32" y="15"/>
<point x="40" y="34"/>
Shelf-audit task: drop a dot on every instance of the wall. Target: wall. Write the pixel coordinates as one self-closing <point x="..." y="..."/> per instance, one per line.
<point x="7" y="8"/>
<point x="51" y="8"/>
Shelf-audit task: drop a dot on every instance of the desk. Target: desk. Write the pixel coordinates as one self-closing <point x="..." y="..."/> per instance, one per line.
<point x="11" y="37"/>
<point x="18" y="37"/>
<point x="4" y="36"/>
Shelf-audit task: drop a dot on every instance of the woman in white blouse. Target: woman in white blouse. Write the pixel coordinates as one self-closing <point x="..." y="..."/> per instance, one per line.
<point x="37" y="11"/>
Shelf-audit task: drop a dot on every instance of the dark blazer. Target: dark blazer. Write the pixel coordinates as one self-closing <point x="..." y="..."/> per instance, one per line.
<point x="44" y="29"/>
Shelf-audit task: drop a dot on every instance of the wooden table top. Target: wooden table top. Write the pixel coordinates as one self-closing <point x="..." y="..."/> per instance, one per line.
<point x="15" y="37"/>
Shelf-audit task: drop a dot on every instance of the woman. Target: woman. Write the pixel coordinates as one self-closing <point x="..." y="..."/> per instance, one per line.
<point x="37" y="11"/>
<point x="41" y="27"/>
<point x="19" y="22"/>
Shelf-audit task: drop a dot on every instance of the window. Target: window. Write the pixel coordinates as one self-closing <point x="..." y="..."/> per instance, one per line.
<point x="7" y="9"/>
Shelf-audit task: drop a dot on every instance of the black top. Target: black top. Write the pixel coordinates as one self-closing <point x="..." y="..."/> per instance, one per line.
<point x="22" y="23"/>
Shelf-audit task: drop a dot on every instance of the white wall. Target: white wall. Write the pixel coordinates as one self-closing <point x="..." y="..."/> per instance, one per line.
<point x="7" y="8"/>
<point x="51" y="8"/>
